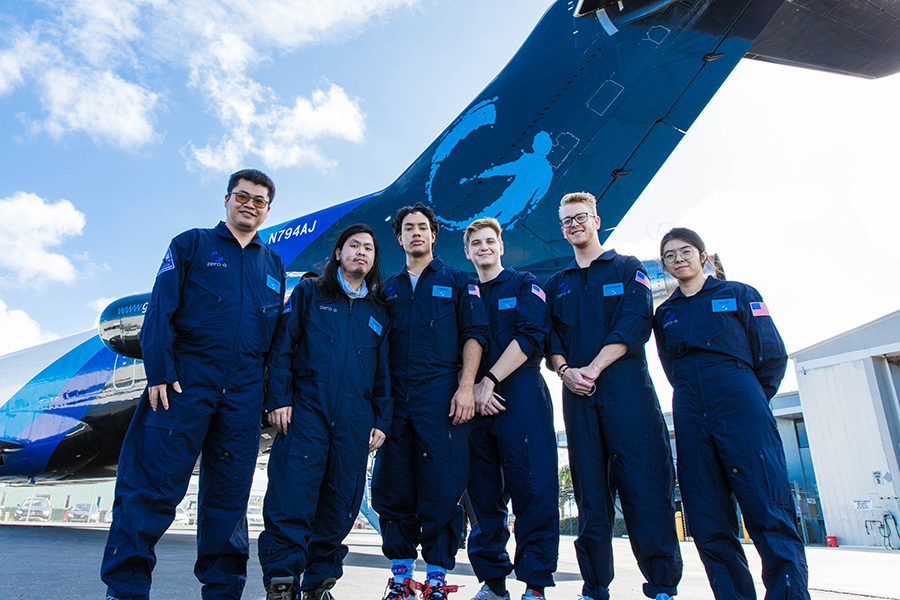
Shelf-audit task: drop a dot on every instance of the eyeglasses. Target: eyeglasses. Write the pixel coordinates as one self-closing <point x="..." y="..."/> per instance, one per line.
<point x="242" y="198"/>
<point x="687" y="253"/>
<point x="580" y="218"/>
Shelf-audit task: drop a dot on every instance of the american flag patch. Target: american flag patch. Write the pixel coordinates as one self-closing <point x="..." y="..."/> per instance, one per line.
<point x="474" y="290"/>
<point x="759" y="309"/>
<point x="641" y="278"/>
<point x="537" y="291"/>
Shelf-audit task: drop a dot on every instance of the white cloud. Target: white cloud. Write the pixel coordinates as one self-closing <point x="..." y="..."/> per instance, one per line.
<point x="37" y="227"/>
<point x="100" y="104"/>
<point x="18" y="330"/>
<point x="25" y="55"/>
<point x="109" y="58"/>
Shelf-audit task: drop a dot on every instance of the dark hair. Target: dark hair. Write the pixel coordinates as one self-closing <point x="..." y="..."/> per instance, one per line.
<point x="328" y="283"/>
<point x="308" y="275"/>
<point x="682" y="233"/>
<point x="418" y="207"/>
<point x="253" y="176"/>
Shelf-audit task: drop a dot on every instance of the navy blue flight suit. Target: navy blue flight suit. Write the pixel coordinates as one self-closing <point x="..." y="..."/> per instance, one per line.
<point x="421" y="471"/>
<point x="513" y="453"/>
<point x="617" y="437"/>
<point x="725" y="359"/>
<point x="329" y="360"/>
<point x="212" y="314"/>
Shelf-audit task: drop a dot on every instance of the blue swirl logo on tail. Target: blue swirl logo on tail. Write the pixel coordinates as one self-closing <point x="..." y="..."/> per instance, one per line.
<point x="528" y="177"/>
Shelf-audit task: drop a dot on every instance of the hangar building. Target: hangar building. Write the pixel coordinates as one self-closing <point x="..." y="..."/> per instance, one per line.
<point x="849" y="395"/>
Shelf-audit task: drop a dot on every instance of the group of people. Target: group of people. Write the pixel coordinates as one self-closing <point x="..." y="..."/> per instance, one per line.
<point x="440" y="372"/>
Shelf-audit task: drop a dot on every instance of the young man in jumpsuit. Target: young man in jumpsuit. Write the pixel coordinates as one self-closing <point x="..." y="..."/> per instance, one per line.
<point x="329" y="398"/>
<point x="601" y="307"/>
<point x="438" y="328"/>
<point x="215" y="304"/>
<point x="512" y="443"/>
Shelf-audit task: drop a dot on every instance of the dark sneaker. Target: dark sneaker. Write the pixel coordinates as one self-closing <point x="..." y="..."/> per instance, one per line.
<point x="404" y="588"/>
<point x="322" y="592"/>
<point x="280" y="588"/>
<point x="437" y="593"/>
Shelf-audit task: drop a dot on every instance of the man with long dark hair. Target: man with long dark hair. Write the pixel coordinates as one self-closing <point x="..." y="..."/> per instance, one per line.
<point x="438" y="329"/>
<point x="329" y="398"/>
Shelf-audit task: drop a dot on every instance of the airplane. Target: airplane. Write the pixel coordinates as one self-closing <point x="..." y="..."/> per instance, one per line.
<point x="596" y="99"/>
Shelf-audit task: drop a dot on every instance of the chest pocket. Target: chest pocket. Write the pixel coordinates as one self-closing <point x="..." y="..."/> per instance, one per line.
<point x="202" y="300"/>
<point x="367" y="350"/>
<point x="268" y="319"/>
<point x="563" y="315"/>
<point x="442" y="330"/>
<point x="722" y="332"/>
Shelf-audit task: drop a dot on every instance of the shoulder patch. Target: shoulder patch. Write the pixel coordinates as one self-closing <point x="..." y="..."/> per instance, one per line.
<point x="642" y="278"/>
<point x="167" y="263"/>
<point x="759" y="309"/>
<point x="474" y="290"/>
<point x="537" y="291"/>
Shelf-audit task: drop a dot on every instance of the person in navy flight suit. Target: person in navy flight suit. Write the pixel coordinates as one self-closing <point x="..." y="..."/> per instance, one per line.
<point x="725" y="360"/>
<point x="601" y="308"/>
<point x="512" y="443"/>
<point x="438" y="329"/>
<point x="329" y="398"/>
<point x="213" y="311"/>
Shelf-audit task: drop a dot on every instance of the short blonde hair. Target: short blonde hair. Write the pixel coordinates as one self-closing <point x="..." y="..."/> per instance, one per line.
<point x="479" y="224"/>
<point x="580" y="198"/>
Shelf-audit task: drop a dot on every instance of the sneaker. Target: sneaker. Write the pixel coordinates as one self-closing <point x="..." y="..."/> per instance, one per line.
<point x="438" y="593"/>
<point x="396" y="590"/>
<point x="280" y="588"/>
<point x="532" y="595"/>
<point x="485" y="593"/>
<point x="322" y="592"/>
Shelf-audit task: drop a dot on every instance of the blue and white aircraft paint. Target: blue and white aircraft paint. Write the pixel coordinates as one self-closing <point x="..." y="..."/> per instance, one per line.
<point x="596" y="99"/>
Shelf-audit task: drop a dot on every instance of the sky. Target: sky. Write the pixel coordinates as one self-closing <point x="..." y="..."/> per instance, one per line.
<point x="120" y="121"/>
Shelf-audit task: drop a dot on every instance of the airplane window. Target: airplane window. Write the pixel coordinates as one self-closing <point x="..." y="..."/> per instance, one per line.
<point x="124" y="372"/>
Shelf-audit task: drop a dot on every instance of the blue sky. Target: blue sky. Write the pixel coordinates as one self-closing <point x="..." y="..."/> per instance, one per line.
<point x="121" y="119"/>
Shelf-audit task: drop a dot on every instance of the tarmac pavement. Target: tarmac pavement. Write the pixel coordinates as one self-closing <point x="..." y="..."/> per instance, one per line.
<point x="63" y="561"/>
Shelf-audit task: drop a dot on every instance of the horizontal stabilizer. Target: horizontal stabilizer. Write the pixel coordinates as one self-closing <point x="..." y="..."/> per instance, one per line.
<point x="852" y="37"/>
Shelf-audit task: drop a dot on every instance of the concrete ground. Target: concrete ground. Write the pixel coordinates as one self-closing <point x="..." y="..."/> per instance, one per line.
<point x="63" y="561"/>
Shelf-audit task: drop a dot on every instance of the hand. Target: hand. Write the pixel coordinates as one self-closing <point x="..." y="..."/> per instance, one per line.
<point x="486" y="401"/>
<point x="578" y="382"/>
<point x="462" y="405"/>
<point x="280" y="418"/>
<point x="376" y="439"/>
<point x="158" y="394"/>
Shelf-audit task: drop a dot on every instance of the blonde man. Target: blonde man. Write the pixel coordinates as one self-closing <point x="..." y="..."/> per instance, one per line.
<point x="512" y="443"/>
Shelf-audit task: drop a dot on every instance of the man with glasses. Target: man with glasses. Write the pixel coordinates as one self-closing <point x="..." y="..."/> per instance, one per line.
<point x="602" y="308"/>
<point x="215" y="304"/>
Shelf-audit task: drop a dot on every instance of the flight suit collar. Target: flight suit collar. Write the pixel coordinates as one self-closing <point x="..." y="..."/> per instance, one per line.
<point x="607" y="255"/>
<point x="711" y="283"/>
<point x="223" y="231"/>
<point x="435" y="265"/>
<point x="502" y="276"/>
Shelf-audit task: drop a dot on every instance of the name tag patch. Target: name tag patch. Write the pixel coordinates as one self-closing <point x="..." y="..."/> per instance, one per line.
<point x="375" y="325"/>
<point x="441" y="291"/>
<point x="506" y="303"/>
<point x="613" y="289"/>
<point x="724" y="305"/>
<point x="273" y="284"/>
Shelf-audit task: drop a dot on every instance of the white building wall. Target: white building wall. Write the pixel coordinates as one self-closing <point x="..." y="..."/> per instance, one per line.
<point x="845" y="425"/>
